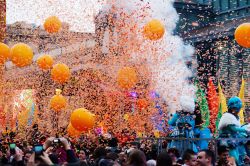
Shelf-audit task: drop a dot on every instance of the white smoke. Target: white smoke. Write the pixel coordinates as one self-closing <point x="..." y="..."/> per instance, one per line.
<point x="168" y="63"/>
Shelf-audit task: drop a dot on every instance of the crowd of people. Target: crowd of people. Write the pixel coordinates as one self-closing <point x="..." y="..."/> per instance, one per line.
<point x="124" y="149"/>
<point x="107" y="152"/>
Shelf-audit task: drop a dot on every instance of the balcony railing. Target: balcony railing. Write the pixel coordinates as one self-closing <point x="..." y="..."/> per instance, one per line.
<point x="202" y="2"/>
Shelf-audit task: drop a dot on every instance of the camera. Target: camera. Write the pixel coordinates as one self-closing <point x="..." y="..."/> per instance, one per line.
<point x="56" y="141"/>
<point x="38" y="149"/>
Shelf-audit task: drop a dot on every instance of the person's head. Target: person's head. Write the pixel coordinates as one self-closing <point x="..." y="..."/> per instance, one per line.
<point x="205" y="158"/>
<point x="100" y="152"/>
<point x="82" y="155"/>
<point x="189" y="158"/>
<point x="136" y="157"/>
<point x="164" y="159"/>
<point x="151" y="163"/>
<point x="112" y="156"/>
<point x="234" y="105"/>
<point x="174" y="154"/>
<point x="223" y="152"/>
<point x="26" y="156"/>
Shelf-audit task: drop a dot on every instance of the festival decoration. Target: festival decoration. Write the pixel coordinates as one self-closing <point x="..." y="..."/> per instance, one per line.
<point x="82" y="120"/>
<point x="4" y="53"/>
<point x="127" y="77"/>
<point x="52" y="24"/>
<point x="72" y="131"/>
<point x="125" y="117"/>
<point x="154" y="30"/>
<point x="213" y="104"/>
<point x="242" y="35"/>
<point x="157" y="134"/>
<point x="202" y="102"/>
<point x="241" y="96"/>
<point x="58" y="102"/>
<point x="45" y="62"/>
<point x="60" y="73"/>
<point x="142" y="104"/>
<point x="222" y="106"/>
<point x="21" y="55"/>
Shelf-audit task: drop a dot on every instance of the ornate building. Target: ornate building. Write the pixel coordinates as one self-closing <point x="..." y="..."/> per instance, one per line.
<point x="209" y="25"/>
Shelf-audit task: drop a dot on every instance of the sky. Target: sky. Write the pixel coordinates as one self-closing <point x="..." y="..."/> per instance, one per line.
<point x="78" y="13"/>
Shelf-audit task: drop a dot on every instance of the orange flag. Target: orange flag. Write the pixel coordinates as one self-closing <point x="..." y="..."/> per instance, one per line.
<point x="213" y="104"/>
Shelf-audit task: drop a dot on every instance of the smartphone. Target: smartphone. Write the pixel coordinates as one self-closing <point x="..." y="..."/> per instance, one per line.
<point x="38" y="149"/>
<point x="12" y="148"/>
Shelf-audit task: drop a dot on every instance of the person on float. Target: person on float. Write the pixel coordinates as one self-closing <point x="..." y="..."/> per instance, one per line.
<point x="202" y="132"/>
<point x="183" y="123"/>
<point x="230" y="127"/>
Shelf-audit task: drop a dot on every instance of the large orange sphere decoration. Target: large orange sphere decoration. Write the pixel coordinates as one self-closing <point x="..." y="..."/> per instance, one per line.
<point x="52" y="24"/>
<point x="242" y="35"/>
<point x="4" y="53"/>
<point x="82" y="120"/>
<point x="154" y="30"/>
<point x="45" y="62"/>
<point x="21" y="55"/>
<point x="58" y="102"/>
<point x="127" y="77"/>
<point x="72" y="131"/>
<point x="142" y="104"/>
<point x="60" y="73"/>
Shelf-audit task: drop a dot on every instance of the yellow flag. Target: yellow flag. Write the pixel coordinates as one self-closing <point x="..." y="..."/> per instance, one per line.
<point x="222" y="100"/>
<point x="241" y="96"/>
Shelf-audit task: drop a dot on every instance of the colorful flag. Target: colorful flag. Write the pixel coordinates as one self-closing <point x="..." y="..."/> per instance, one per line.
<point x="213" y="104"/>
<point x="222" y="105"/>
<point x="202" y="102"/>
<point x="241" y="96"/>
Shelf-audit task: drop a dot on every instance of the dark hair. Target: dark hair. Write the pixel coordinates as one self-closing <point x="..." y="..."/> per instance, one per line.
<point x="210" y="154"/>
<point x="174" y="151"/>
<point x="188" y="155"/>
<point x="222" y="149"/>
<point x="112" y="156"/>
<point x="164" y="159"/>
<point x="137" y="157"/>
<point x="100" y="152"/>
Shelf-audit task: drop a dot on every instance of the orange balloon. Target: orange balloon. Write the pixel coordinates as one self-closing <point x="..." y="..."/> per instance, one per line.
<point x="58" y="102"/>
<point x="127" y="77"/>
<point x="242" y="35"/>
<point x="21" y="55"/>
<point x="154" y="30"/>
<point x="4" y="53"/>
<point x="45" y="62"/>
<point x="82" y="120"/>
<point x="72" y="131"/>
<point x="142" y="103"/>
<point x="60" y="73"/>
<point x="52" y="24"/>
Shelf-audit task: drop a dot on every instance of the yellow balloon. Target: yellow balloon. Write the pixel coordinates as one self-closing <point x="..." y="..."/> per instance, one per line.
<point x="52" y="24"/>
<point x="60" y="73"/>
<point x="127" y="77"/>
<point x="4" y="53"/>
<point x="242" y="35"/>
<point x="82" y="120"/>
<point x="154" y="30"/>
<point x="45" y="62"/>
<point x="21" y="55"/>
<point x="58" y="102"/>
